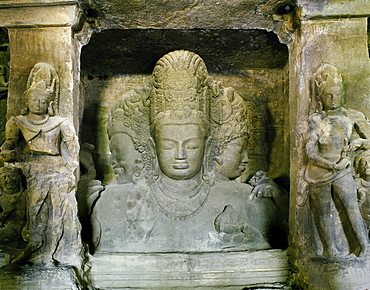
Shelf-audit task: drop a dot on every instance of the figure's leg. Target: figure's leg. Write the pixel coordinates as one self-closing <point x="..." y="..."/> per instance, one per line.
<point x="345" y="189"/>
<point x="322" y="209"/>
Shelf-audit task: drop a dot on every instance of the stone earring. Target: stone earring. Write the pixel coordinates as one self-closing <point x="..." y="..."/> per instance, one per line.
<point x="51" y="109"/>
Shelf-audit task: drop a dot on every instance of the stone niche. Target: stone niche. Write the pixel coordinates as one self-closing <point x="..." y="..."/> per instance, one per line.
<point x="251" y="61"/>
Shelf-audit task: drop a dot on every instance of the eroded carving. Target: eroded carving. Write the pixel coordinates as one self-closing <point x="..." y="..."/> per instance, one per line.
<point x="332" y="137"/>
<point x="13" y="210"/>
<point x="362" y="169"/>
<point x="46" y="147"/>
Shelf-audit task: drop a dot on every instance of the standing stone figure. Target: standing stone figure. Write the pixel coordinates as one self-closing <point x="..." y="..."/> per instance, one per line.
<point x="329" y="170"/>
<point x="46" y="147"/>
<point x="362" y="168"/>
<point x="13" y="216"/>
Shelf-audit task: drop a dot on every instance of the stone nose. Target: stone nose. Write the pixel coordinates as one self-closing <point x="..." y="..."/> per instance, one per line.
<point x="181" y="152"/>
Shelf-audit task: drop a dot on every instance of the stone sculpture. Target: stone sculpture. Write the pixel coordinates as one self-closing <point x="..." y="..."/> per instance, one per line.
<point x="331" y="141"/>
<point x="128" y="132"/>
<point x="229" y="132"/>
<point x="46" y="147"/>
<point x="3" y="80"/>
<point x="362" y="169"/>
<point x="13" y="215"/>
<point x="88" y="190"/>
<point x="170" y="200"/>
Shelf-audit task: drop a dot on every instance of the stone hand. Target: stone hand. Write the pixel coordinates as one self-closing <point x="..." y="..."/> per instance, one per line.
<point x="262" y="190"/>
<point x="343" y="163"/>
<point x="356" y="144"/>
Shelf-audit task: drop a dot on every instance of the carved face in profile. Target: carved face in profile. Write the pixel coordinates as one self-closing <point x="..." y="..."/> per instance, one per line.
<point x="364" y="166"/>
<point x="9" y="182"/>
<point x="123" y="157"/>
<point x="38" y="102"/>
<point x="233" y="160"/>
<point x="180" y="150"/>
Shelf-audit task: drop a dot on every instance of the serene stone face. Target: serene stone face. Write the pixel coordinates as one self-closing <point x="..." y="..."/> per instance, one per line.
<point x="123" y="157"/>
<point x="38" y="102"/>
<point x="332" y="98"/>
<point x="234" y="158"/>
<point x="9" y="182"/>
<point x="180" y="150"/>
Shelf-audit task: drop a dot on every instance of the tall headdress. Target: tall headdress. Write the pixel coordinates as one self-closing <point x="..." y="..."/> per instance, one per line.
<point x="130" y="115"/>
<point x="228" y="118"/>
<point x="180" y="89"/>
<point x="44" y="77"/>
<point x="327" y="76"/>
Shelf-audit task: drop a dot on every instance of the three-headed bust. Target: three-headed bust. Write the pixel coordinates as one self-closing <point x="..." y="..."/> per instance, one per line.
<point x="176" y="205"/>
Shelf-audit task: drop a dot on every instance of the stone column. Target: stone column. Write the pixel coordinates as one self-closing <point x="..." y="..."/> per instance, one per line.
<point x="333" y="33"/>
<point x="43" y="32"/>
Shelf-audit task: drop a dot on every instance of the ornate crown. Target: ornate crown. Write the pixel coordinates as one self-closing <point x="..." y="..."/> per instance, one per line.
<point x="327" y="76"/>
<point x="179" y="92"/>
<point x="44" y="77"/>
<point x="228" y="117"/>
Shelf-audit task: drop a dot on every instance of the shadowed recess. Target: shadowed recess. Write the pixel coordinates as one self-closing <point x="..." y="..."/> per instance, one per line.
<point x="117" y="52"/>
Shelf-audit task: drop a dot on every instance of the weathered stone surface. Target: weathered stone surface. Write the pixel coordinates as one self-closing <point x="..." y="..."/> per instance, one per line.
<point x="183" y="14"/>
<point x="333" y="8"/>
<point x="26" y="13"/>
<point x="234" y="270"/>
<point x="14" y="278"/>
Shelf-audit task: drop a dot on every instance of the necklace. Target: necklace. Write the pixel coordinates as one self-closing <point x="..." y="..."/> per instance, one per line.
<point x="180" y="207"/>
<point x="34" y="122"/>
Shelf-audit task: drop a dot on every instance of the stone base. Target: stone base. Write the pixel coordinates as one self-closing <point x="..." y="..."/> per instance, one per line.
<point x="14" y="277"/>
<point x="208" y="270"/>
<point x="344" y="274"/>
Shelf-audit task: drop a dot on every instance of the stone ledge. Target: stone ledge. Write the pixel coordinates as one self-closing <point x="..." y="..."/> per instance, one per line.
<point x="36" y="15"/>
<point x="30" y="3"/>
<point x="188" y="270"/>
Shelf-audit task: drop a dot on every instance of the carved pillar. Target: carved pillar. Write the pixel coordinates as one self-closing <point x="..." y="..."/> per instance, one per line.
<point x="324" y="36"/>
<point x="43" y="32"/>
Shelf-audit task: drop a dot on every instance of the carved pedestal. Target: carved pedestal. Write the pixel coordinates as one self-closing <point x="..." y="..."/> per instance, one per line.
<point x="234" y="270"/>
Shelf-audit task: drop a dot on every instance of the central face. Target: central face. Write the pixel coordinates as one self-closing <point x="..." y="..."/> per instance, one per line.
<point x="180" y="150"/>
<point x="38" y="102"/>
<point x="9" y="182"/>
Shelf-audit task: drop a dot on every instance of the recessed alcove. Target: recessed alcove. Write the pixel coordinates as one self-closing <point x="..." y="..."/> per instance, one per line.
<point x="251" y="61"/>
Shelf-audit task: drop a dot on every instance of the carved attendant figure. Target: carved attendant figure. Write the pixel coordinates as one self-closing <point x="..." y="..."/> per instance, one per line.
<point x="362" y="168"/>
<point x="47" y="147"/>
<point x="12" y="210"/>
<point x="329" y="170"/>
